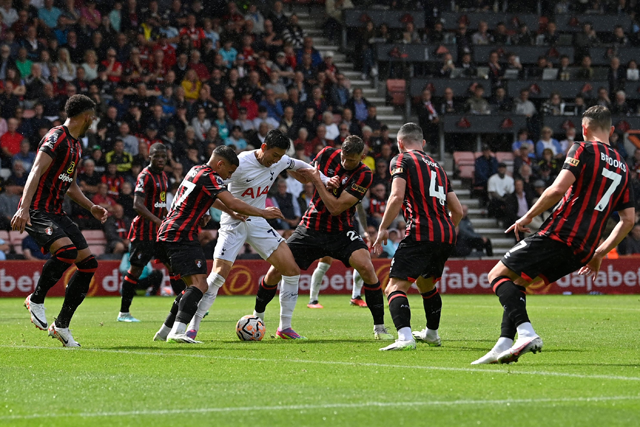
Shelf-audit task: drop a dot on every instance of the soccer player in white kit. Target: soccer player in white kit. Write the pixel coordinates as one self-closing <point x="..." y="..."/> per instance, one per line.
<point x="258" y="171"/>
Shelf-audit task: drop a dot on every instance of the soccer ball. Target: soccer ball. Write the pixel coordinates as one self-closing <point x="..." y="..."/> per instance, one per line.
<point x="250" y="328"/>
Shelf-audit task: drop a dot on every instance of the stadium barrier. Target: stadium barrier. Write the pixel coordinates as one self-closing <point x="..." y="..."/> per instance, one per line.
<point x="619" y="276"/>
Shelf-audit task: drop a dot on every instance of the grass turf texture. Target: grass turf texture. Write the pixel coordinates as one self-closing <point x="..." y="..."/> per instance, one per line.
<point x="588" y="373"/>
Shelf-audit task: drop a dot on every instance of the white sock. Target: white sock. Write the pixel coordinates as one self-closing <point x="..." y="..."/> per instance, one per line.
<point x="260" y="315"/>
<point x="404" y="334"/>
<point x="526" y="330"/>
<point x="215" y="282"/>
<point x="288" y="299"/>
<point x="164" y="330"/>
<point x="316" y="280"/>
<point x="432" y="333"/>
<point x="503" y="344"/>
<point x="123" y="313"/>
<point x="178" y="328"/>
<point x="358" y="282"/>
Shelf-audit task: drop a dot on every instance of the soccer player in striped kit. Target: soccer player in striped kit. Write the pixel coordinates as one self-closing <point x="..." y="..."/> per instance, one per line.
<point x="40" y="213"/>
<point x="593" y="184"/>
<point x="432" y="211"/>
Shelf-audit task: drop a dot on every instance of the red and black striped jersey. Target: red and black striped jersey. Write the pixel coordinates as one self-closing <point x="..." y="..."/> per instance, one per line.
<point x="65" y="151"/>
<point x="192" y="201"/>
<point x="152" y="187"/>
<point x="376" y="206"/>
<point x="425" y="197"/>
<point x="355" y="182"/>
<point x="601" y="188"/>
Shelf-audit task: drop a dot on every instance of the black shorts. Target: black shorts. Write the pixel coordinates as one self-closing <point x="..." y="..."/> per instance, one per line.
<point x="420" y="259"/>
<point x="310" y="245"/>
<point x="541" y="256"/>
<point x="46" y="228"/>
<point x="141" y="252"/>
<point x="186" y="259"/>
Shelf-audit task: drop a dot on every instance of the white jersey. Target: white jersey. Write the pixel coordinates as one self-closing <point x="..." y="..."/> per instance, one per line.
<point x="251" y="181"/>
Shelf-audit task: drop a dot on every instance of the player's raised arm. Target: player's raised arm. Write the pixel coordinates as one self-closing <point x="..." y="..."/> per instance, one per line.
<point x="246" y="209"/>
<point x="21" y="217"/>
<point x="334" y="205"/>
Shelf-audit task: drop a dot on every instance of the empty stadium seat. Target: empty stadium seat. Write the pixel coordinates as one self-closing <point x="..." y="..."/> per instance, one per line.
<point x="97" y="250"/>
<point x="95" y="237"/>
<point x="15" y="239"/>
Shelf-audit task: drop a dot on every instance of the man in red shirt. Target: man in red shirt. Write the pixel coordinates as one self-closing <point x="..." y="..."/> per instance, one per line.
<point x="196" y="34"/>
<point x="113" y="67"/>
<point x="11" y="140"/>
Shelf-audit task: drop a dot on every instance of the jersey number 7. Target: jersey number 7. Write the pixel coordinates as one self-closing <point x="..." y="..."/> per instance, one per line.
<point x="616" y="178"/>
<point x="189" y="186"/>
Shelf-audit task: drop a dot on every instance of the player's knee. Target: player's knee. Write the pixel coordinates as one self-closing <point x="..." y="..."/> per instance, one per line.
<point x="136" y="271"/>
<point x="291" y="270"/>
<point x="66" y="254"/>
<point x="88" y="265"/>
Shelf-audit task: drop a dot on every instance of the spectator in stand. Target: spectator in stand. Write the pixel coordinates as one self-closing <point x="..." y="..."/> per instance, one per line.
<point x="579" y="105"/>
<point x="542" y="64"/>
<point x="584" y="40"/>
<point x="467" y="239"/>
<point x="10" y="142"/>
<point x="32" y="251"/>
<point x="500" y="102"/>
<point x="631" y="244"/>
<point x="343" y="133"/>
<point x="523" y="106"/>
<point x="89" y="179"/>
<point x="620" y="106"/>
<point x="570" y="136"/>
<point x="25" y="156"/>
<point x="485" y="167"/>
<point x="305" y="197"/>
<point x="372" y="118"/>
<point x="468" y="67"/>
<point x="288" y="205"/>
<point x="113" y="180"/>
<point x="550" y="37"/>
<point x="523" y="37"/>
<point x="448" y="104"/>
<point x="464" y="40"/>
<point x="276" y="85"/>
<point x="549" y="163"/>
<point x="18" y="178"/>
<point x="585" y="72"/>
<point x="263" y="116"/>
<point x="523" y="157"/>
<point x="246" y="124"/>
<point x="304" y="141"/>
<point x="201" y="124"/>
<point x="482" y="36"/>
<point x="237" y="139"/>
<point x="564" y="69"/>
<point x="477" y="104"/>
<point x="195" y="33"/>
<point x="259" y="137"/>
<point x="517" y="203"/>
<point x="273" y="105"/>
<point x="339" y="93"/>
<point x="447" y="66"/>
<point x="332" y="129"/>
<point x="617" y="143"/>
<point x="616" y="76"/>
<point x="24" y="64"/>
<point x="381" y="174"/>
<point x="500" y="34"/>
<point x="358" y="105"/>
<point x="116" y="230"/>
<point x="317" y="102"/>
<point x="553" y="106"/>
<point x="191" y="85"/>
<point x="499" y="187"/>
<point x="321" y="137"/>
<point x="103" y="199"/>
<point x="34" y="84"/>
<point x="9" y="201"/>
<point x="547" y="141"/>
<point x="377" y="201"/>
<point x="119" y="157"/>
<point x="349" y="120"/>
<point x="130" y="142"/>
<point x="293" y="33"/>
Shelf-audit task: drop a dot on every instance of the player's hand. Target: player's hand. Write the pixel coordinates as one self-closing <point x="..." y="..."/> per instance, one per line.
<point x="365" y="237"/>
<point x="272" y="213"/>
<point x="99" y="213"/>
<point x="520" y="226"/>
<point x="205" y="220"/>
<point x="238" y="217"/>
<point x="333" y="183"/>
<point x="312" y="174"/>
<point x="592" y="268"/>
<point x="20" y="220"/>
<point x="383" y="235"/>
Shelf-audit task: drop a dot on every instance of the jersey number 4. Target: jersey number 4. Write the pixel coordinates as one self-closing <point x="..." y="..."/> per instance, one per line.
<point x="189" y="186"/>
<point x="439" y="193"/>
<point x="616" y="178"/>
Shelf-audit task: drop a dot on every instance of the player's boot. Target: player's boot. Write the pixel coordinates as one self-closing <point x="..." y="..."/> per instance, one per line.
<point x="400" y="346"/>
<point x="38" y="317"/>
<point x="160" y="336"/>
<point x="431" y="339"/>
<point x="314" y="304"/>
<point x="63" y="335"/>
<point x="381" y="333"/>
<point x="490" y="357"/>
<point x="288" y="334"/>
<point x="181" y="339"/>
<point x="127" y="318"/>
<point x="358" y="301"/>
<point x="522" y="346"/>
<point x="192" y="333"/>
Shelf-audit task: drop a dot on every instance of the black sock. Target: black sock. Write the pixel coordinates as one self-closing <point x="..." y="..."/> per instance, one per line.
<point x="432" y="303"/>
<point x="512" y="298"/>
<point x="375" y="302"/>
<point x="177" y="284"/>
<point x="507" y="328"/>
<point x="264" y="296"/>
<point x="76" y="290"/>
<point x="171" y="318"/>
<point x="52" y="271"/>
<point x="129" y="284"/>
<point x="399" y="308"/>
<point x="189" y="304"/>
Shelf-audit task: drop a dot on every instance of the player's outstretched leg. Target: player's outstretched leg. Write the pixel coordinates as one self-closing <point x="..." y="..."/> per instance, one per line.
<point x="401" y="315"/>
<point x="52" y="271"/>
<point x="432" y="303"/>
<point x="187" y="308"/>
<point x="316" y="282"/>
<point x="288" y="299"/>
<point x="507" y="334"/>
<point x="513" y="300"/>
<point x="215" y="282"/>
<point x="164" y="330"/>
<point x="264" y="296"/>
<point x="74" y="295"/>
<point x="356" y="292"/>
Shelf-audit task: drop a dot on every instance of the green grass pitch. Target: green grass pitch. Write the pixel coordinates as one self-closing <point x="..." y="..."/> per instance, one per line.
<point x="587" y="375"/>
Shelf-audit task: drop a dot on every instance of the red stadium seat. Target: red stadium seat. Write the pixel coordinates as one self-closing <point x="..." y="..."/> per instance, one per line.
<point x="15" y="239"/>
<point x="97" y="250"/>
<point x="396" y="91"/>
<point x="95" y="237"/>
<point x="466" y="171"/>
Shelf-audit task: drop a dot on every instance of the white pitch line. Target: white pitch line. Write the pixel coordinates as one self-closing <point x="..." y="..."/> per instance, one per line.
<point x="323" y="406"/>
<point x="339" y="363"/>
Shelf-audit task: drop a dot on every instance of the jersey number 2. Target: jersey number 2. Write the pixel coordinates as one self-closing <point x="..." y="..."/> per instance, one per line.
<point x="189" y="186"/>
<point x="439" y="193"/>
<point x="616" y="178"/>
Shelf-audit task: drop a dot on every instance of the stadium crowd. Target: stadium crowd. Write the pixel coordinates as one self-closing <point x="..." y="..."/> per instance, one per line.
<point x="197" y="74"/>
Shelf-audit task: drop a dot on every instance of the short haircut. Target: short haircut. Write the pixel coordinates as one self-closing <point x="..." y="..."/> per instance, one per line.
<point x="411" y="132"/>
<point x="228" y="154"/>
<point x="158" y="146"/>
<point x="599" y="117"/>
<point x="78" y="104"/>
<point x="353" y="145"/>
<point x="277" y="139"/>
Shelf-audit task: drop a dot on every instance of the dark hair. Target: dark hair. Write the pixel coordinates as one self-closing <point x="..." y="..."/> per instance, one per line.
<point x="353" y="144"/>
<point x="227" y="153"/>
<point x="599" y="117"/>
<point x="78" y="104"/>
<point x="411" y="132"/>
<point x="158" y="146"/>
<point x="277" y="139"/>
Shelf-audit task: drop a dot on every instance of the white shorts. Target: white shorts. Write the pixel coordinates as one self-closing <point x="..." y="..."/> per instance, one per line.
<point x="255" y="231"/>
